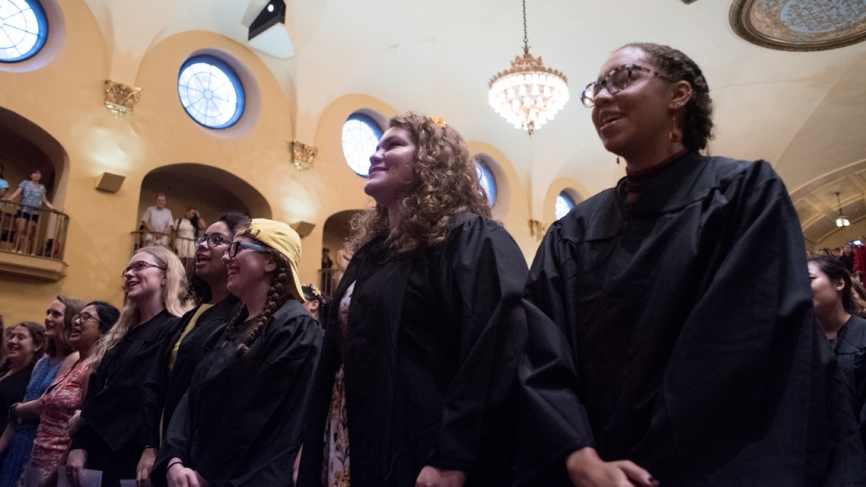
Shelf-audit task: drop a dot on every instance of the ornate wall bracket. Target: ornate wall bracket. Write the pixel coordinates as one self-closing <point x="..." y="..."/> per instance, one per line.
<point x="302" y="155"/>
<point x="120" y="98"/>
<point x="537" y="229"/>
<point x="799" y="25"/>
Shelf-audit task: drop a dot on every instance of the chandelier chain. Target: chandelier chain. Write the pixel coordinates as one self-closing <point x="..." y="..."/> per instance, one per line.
<point x="525" y="36"/>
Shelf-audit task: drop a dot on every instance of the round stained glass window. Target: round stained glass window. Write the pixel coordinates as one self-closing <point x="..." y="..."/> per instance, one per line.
<point x="23" y="29"/>
<point x="361" y="135"/>
<point x="488" y="182"/>
<point x="210" y="92"/>
<point x="564" y="204"/>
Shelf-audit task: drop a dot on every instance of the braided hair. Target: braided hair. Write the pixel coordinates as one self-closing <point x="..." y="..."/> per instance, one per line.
<point x="279" y="292"/>
<point x="697" y="120"/>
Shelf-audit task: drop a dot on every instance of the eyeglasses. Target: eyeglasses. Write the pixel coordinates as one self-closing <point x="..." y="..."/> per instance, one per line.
<point x="213" y="240"/>
<point x="616" y="80"/>
<point x="82" y="317"/>
<point x="237" y="244"/>
<point x="140" y="266"/>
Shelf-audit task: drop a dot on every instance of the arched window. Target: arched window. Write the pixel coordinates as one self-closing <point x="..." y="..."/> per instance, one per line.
<point x="564" y="204"/>
<point x="361" y="135"/>
<point x="488" y="182"/>
<point x="23" y="29"/>
<point x="210" y="92"/>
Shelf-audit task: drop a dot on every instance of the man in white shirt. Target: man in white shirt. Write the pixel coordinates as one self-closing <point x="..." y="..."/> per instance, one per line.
<point x="158" y="222"/>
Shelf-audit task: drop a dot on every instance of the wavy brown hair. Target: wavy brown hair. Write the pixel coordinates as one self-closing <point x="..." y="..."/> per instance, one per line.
<point x="444" y="183"/>
<point x="61" y="344"/>
<point x="279" y="292"/>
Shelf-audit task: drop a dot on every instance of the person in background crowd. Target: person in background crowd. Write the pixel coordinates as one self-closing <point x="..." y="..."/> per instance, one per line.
<point x="25" y="344"/>
<point x="33" y="196"/>
<point x="188" y="229"/>
<point x="860" y="260"/>
<point x="2" y="341"/>
<point x="847" y="258"/>
<point x="314" y="302"/>
<point x="241" y="421"/>
<point x="62" y="400"/>
<point x="836" y="252"/>
<point x="59" y="358"/>
<point x="4" y="187"/>
<point x="418" y="378"/>
<point x="670" y="344"/>
<point x="327" y="277"/>
<point x="158" y="222"/>
<point x="837" y="312"/>
<point x="110" y="438"/>
<point x="197" y="333"/>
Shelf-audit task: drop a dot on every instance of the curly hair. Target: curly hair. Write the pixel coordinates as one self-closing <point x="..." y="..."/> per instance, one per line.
<point x="445" y="182"/>
<point x="37" y="334"/>
<point x="197" y="288"/>
<point x="698" y="112"/>
<point x="72" y="307"/>
<point x="279" y="292"/>
<point x="174" y="298"/>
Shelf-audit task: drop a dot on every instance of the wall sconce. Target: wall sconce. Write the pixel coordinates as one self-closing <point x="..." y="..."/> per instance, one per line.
<point x="537" y="229"/>
<point x="302" y="155"/>
<point x="109" y="183"/>
<point x="119" y="98"/>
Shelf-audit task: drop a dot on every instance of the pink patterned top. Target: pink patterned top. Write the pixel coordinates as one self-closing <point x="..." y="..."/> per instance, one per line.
<point x="58" y="404"/>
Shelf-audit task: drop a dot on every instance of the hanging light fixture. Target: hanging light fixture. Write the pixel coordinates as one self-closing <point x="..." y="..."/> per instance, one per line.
<point x="842" y="221"/>
<point x="529" y="94"/>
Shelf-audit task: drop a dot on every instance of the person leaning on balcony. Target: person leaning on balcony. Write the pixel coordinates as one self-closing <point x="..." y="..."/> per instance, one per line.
<point x="158" y="222"/>
<point x="33" y="196"/>
<point x="4" y="186"/>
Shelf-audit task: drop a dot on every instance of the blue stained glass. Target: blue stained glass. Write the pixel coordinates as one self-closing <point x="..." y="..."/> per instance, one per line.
<point x="361" y="135"/>
<point x="210" y="92"/>
<point x="488" y="182"/>
<point x="23" y="29"/>
<point x="564" y="204"/>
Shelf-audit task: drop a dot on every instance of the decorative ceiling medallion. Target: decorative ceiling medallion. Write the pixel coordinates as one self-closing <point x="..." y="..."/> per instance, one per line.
<point x="800" y="25"/>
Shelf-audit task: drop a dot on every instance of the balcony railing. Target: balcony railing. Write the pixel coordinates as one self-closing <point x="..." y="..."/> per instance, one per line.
<point x="182" y="246"/>
<point x="32" y="241"/>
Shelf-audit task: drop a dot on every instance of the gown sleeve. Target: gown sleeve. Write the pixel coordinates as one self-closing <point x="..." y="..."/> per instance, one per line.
<point x="554" y="421"/>
<point x="484" y="276"/>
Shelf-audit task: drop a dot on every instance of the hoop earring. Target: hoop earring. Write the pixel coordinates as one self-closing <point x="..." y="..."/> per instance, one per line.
<point x="675" y="135"/>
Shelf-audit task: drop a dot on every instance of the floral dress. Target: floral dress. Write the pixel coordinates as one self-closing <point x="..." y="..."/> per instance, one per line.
<point x="58" y="404"/>
<point x="335" y="468"/>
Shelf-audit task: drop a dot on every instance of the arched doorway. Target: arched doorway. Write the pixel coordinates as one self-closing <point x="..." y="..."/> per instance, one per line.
<point x="334" y="232"/>
<point x="210" y="190"/>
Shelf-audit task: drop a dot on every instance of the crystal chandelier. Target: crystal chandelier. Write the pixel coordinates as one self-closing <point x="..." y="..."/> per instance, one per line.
<point x="529" y="94"/>
<point x="842" y="221"/>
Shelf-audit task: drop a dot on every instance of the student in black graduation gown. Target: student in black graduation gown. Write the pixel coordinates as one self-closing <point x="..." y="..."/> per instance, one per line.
<point x="240" y="423"/>
<point x="418" y="381"/>
<point x="836" y="310"/>
<point x="197" y="333"/>
<point x="110" y="438"/>
<point x="671" y="338"/>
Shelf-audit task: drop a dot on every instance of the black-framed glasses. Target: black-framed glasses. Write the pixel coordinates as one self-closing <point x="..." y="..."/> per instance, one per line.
<point x="615" y="81"/>
<point x="213" y="240"/>
<point x="83" y="317"/>
<point x="237" y="245"/>
<point x="140" y="266"/>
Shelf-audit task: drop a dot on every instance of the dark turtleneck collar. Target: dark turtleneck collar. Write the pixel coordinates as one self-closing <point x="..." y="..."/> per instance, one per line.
<point x="636" y="181"/>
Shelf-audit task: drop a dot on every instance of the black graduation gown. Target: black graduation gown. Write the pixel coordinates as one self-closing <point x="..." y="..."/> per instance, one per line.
<point x="12" y="389"/>
<point x="679" y="336"/>
<point x="430" y="371"/>
<point x="112" y="412"/>
<point x="165" y="387"/>
<point x="240" y="423"/>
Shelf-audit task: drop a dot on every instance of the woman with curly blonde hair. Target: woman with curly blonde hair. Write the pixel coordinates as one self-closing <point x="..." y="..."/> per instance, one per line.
<point x="112" y="436"/>
<point x="419" y="365"/>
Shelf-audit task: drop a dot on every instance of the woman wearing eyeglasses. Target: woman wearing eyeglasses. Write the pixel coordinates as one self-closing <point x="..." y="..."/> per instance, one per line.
<point x="671" y="340"/>
<point x="240" y="422"/>
<point x="111" y="438"/>
<point x="59" y="357"/>
<point x="197" y="333"/>
<point x="62" y="400"/>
